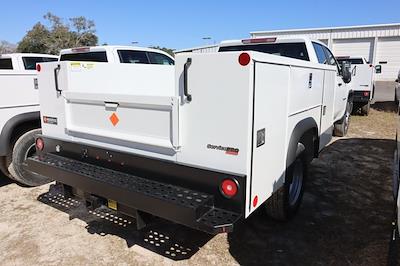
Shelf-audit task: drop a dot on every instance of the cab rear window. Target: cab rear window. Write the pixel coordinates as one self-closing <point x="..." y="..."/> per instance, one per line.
<point x="6" y="63"/>
<point x="353" y="61"/>
<point x="30" y="62"/>
<point x="89" y="56"/>
<point x="292" y="50"/>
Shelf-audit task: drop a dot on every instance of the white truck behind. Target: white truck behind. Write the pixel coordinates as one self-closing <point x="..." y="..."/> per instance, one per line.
<point x="362" y="82"/>
<point x="204" y="143"/>
<point x="19" y="114"/>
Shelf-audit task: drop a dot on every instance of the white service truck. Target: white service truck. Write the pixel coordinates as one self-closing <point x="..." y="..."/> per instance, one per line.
<point x="204" y="143"/>
<point x="362" y="82"/>
<point x="19" y="114"/>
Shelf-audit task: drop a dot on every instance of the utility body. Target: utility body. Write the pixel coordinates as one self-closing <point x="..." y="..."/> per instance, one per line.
<point x="204" y="143"/>
<point x="19" y="113"/>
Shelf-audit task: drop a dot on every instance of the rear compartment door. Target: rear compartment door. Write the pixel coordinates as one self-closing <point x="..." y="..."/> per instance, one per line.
<point x="216" y="123"/>
<point x="125" y="105"/>
<point x="362" y="77"/>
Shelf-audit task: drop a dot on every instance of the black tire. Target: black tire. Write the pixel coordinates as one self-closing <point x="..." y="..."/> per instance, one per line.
<point x="283" y="205"/>
<point x="341" y="127"/>
<point x="365" y="109"/>
<point x="23" y="148"/>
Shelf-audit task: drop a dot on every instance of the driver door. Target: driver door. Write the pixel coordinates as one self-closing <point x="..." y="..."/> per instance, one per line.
<point x="341" y="88"/>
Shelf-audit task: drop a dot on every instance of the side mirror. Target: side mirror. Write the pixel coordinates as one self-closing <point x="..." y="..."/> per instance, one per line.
<point x="397" y="80"/>
<point x="378" y="69"/>
<point x="346" y="72"/>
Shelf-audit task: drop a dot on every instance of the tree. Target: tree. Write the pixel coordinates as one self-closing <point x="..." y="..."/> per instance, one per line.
<point x="35" y="41"/>
<point x="58" y="35"/>
<point x="167" y="50"/>
<point x="6" y="47"/>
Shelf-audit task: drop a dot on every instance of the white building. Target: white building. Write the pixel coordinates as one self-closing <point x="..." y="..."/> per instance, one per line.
<point x="379" y="44"/>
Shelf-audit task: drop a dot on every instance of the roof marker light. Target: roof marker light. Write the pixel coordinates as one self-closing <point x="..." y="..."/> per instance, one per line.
<point x="80" y="49"/>
<point x="259" y="40"/>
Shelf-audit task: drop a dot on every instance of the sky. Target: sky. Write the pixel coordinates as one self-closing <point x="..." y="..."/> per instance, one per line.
<point x="184" y="24"/>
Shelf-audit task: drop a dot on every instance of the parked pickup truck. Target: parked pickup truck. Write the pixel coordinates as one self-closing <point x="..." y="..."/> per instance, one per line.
<point x="204" y="143"/>
<point x="362" y="82"/>
<point x="19" y="114"/>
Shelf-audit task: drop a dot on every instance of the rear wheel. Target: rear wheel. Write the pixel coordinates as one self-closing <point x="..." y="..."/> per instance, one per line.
<point x="24" y="148"/>
<point x="341" y="127"/>
<point x="284" y="203"/>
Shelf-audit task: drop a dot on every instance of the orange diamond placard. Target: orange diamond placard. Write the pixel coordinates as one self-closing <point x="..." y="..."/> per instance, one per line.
<point x="114" y="119"/>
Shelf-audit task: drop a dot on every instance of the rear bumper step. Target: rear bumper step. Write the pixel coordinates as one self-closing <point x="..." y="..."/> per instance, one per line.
<point x="184" y="206"/>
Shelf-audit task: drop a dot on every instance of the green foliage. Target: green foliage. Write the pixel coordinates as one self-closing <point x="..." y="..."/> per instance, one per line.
<point x="58" y="35"/>
<point x="167" y="50"/>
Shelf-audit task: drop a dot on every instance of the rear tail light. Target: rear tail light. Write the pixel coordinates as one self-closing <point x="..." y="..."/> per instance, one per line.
<point x="244" y="59"/>
<point x="229" y="188"/>
<point x="259" y="40"/>
<point x="38" y="68"/>
<point x="366" y="93"/>
<point x="39" y="144"/>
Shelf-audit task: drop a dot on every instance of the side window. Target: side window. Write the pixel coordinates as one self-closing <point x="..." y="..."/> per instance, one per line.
<point x="6" y="63"/>
<point x="159" y="59"/>
<point x="133" y="57"/>
<point x="30" y="62"/>
<point x="330" y="58"/>
<point x="320" y="53"/>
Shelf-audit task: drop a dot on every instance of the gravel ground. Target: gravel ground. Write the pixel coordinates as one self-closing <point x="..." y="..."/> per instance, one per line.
<point x="345" y="218"/>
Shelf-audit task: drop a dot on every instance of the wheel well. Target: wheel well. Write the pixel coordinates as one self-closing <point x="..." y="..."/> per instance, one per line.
<point x="16" y="127"/>
<point x="22" y="128"/>
<point x="310" y="141"/>
<point x="306" y="133"/>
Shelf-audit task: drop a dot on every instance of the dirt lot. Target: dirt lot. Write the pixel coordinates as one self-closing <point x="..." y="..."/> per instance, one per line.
<point x="345" y="219"/>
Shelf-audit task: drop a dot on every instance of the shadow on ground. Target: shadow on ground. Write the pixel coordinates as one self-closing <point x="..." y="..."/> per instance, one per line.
<point x="165" y="238"/>
<point x="388" y="106"/>
<point x="4" y="180"/>
<point x="345" y="217"/>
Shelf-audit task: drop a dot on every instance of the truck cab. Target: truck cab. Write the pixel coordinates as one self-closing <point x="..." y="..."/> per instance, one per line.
<point x="305" y="49"/>
<point x="19" y="112"/>
<point x="362" y="82"/>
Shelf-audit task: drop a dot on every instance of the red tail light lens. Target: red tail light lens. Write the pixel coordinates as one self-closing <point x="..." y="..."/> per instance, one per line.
<point x="229" y="188"/>
<point x="259" y="40"/>
<point x="244" y="59"/>
<point x="39" y="144"/>
<point x="38" y="68"/>
<point x="366" y="93"/>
